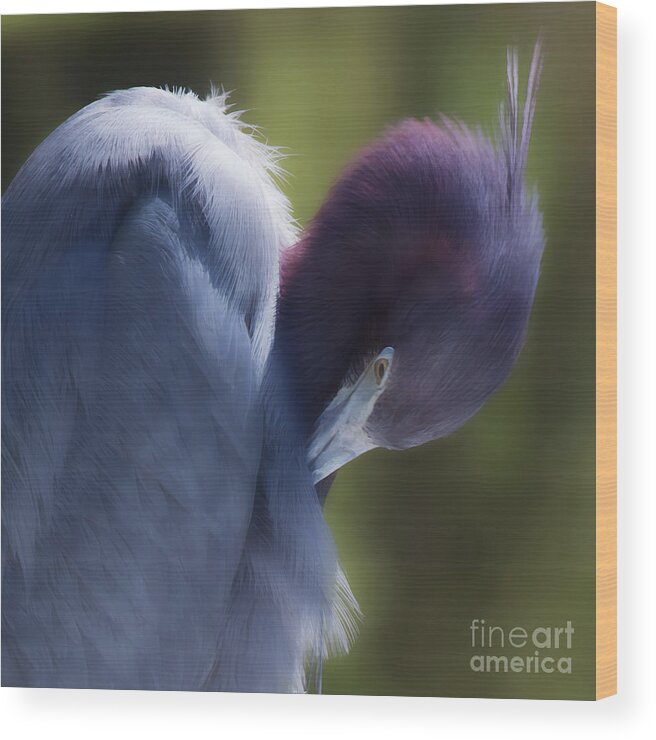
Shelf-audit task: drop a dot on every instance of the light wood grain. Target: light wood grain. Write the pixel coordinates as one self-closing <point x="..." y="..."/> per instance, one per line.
<point x="606" y="272"/>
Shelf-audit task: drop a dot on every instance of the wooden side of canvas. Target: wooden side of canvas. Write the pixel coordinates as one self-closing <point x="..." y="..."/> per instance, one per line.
<point x="606" y="364"/>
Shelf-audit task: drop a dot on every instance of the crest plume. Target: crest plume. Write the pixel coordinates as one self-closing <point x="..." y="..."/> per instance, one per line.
<point x="515" y="141"/>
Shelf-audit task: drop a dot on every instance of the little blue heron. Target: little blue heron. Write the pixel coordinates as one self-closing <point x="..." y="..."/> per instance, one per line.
<point x="184" y="375"/>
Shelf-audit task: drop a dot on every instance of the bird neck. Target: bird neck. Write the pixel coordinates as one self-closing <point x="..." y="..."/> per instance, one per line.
<point x="323" y="324"/>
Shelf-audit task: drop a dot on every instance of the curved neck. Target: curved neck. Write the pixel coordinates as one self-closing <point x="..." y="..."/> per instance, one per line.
<point x="320" y="323"/>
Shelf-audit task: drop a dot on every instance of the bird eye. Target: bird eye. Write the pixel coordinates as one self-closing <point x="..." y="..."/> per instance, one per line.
<point x="380" y="368"/>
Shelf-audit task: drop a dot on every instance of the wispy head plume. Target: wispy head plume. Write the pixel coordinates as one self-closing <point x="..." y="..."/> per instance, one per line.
<point x="514" y="141"/>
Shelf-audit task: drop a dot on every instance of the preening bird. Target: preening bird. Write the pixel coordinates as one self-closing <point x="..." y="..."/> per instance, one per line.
<point x="184" y="374"/>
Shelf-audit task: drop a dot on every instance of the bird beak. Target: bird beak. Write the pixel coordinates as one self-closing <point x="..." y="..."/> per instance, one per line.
<point x="340" y="434"/>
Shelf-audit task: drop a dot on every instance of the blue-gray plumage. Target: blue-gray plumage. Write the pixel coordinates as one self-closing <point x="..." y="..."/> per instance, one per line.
<point x="169" y="437"/>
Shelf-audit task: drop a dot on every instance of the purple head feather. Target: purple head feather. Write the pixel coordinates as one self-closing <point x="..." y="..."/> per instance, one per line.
<point x="430" y="243"/>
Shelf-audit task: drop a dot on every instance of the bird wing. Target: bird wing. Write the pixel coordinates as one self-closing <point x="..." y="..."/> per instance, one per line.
<point x="140" y="263"/>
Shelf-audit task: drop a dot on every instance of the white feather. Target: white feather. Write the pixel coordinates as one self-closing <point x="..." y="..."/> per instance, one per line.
<point x="141" y="244"/>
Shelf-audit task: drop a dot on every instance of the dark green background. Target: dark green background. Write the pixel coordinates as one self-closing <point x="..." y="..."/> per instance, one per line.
<point x="497" y="521"/>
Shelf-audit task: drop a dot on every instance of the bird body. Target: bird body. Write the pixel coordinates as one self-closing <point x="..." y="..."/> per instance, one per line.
<point x="141" y="245"/>
<point x="175" y="404"/>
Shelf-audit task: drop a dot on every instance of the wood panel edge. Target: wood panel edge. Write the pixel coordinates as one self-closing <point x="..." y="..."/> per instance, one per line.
<point x="606" y="351"/>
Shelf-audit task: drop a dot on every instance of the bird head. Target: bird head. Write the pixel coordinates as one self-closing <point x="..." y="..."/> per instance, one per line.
<point x="405" y="304"/>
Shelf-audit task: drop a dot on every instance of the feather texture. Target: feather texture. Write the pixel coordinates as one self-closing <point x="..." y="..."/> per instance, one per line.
<point x="141" y="244"/>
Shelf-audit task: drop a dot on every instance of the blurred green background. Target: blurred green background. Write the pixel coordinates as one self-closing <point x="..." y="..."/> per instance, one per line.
<point x="495" y="522"/>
